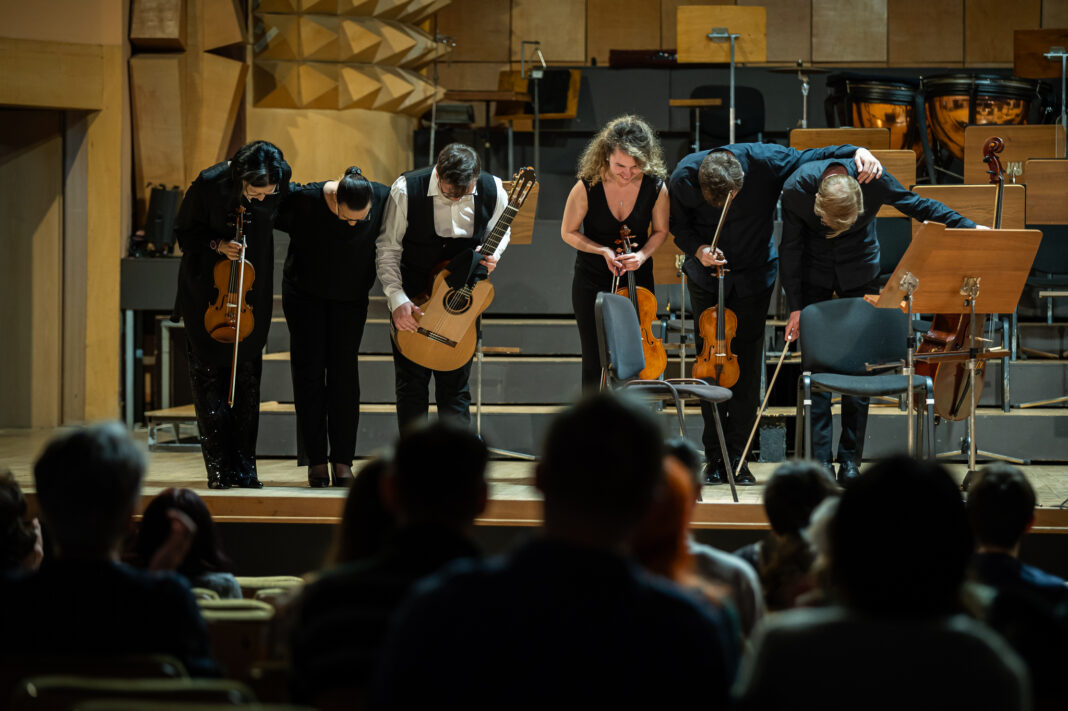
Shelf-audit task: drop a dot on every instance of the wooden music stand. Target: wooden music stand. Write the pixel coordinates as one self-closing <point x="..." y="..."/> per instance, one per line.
<point x="870" y="138"/>
<point x="1021" y="143"/>
<point x="902" y="165"/>
<point x="960" y="271"/>
<point x="722" y="33"/>
<point x="523" y="223"/>
<point x="978" y="202"/>
<point x="1049" y="184"/>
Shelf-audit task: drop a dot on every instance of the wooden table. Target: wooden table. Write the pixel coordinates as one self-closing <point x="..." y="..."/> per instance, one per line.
<point x="489" y="96"/>
<point x="696" y="105"/>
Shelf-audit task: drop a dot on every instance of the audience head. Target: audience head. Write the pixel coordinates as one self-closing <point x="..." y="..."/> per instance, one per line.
<point x="636" y="143"/>
<point x="719" y="175"/>
<point x="438" y="475"/>
<point x="205" y="552"/>
<point x="602" y="463"/>
<point x="18" y="537"/>
<point x="900" y="541"/>
<point x="792" y="494"/>
<point x="1001" y="506"/>
<point x="458" y="165"/>
<point x="366" y="523"/>
<point x="661" y="543"/>
<point x="354" y="193"/>
<point x="88" y="481"/>
<point x="259" y="170"/>
<point x="838" y="202"/>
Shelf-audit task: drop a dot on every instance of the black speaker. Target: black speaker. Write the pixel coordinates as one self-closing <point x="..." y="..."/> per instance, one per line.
<point x="162" y="211"/>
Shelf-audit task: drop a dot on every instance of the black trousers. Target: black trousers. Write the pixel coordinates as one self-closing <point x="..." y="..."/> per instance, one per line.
<point x="227" y="434"/>
<point x="854" y="409"/>
<point x="451" y="392"/>
<point x="739" y="413"/>
<point x="324" y="349"/>
<point x="584" y="290"/>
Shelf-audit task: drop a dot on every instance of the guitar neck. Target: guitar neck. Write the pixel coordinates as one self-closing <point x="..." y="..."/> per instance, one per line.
<point x="497" y="233"/>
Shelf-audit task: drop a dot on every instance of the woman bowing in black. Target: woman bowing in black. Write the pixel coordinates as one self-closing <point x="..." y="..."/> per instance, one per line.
<point x="620" y="182"/>
<point x="255" y="179"/>
<point x="328" y="273"/>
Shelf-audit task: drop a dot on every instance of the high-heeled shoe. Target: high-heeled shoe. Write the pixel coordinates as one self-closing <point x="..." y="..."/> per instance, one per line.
<point x="218" y="482"/>
<point x="340" y="474"/>
<point x="318" y="476"/>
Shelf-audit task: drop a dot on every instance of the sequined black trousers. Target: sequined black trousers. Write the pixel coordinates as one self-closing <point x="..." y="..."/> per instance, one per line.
<point x="227" y="434"/>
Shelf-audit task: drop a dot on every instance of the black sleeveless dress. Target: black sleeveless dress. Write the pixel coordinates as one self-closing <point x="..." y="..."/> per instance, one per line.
<point x="592" y="274"/>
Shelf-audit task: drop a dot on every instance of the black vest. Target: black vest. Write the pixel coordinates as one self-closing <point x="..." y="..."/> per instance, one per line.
<point x="422" y="248"/>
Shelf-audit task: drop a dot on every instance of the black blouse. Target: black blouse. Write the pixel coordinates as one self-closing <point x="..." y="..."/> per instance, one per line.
<point x="601" y="226"/>
<point x="328" y="258"/>
<point x="206" y="218"/>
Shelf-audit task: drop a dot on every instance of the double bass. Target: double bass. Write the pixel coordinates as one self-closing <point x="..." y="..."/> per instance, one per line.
<point x="952" y="332"/>
<point x="229" y="317"/>
<point x="644" y="302"/>
<point x="718" y="325"/>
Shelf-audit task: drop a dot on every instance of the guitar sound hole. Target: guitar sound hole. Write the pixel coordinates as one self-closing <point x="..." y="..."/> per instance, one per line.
<point x="456" y="303"/>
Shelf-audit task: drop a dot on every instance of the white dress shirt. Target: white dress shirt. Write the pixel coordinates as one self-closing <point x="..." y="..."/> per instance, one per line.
<point x="452" y="218"/>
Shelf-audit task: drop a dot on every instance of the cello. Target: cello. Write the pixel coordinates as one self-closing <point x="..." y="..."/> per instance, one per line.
<point x="229" y="317"/>
<point x="952" y="332"/>
<point x="718" y="325"/>
<point x="644" y="302"/>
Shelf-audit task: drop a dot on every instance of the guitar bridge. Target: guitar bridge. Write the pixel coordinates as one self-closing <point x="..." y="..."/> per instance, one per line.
<point x="436" y="337"/>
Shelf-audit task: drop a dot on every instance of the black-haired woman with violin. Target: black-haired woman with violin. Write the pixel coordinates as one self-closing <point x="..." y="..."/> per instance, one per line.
<point x="329" y="271"/>
<point x="237" y="197"/>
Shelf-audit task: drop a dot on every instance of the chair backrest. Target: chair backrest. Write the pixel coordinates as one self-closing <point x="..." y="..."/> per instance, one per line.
<point x="842" y="335"/>
<point x="15" y="668"/>
<point x="45" y="693"/>
<point x="619" y="336"/>
<point x="250" y="584"/>
<point x="748" y="111"/>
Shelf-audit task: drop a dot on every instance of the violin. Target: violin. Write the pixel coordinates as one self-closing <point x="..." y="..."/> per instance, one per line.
<point x="952" y="332"/>
<point x="645" y="305"/>
<point x="718" y="326"/>
<point x="229" y="317"/>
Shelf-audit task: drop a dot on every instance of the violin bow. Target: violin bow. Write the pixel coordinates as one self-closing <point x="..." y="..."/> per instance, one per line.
<point x="722" y="218"/>
<point x="760" y="412"/>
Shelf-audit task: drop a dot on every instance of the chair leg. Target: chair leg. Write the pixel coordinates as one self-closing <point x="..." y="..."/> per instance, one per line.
<point x="929" y="388"/>
<point x="723" y="451"/>
<point x="799" y="423"/>
<point x="807" y="381"/>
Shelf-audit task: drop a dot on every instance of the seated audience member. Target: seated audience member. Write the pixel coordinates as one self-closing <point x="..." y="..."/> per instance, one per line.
<point x="366" y="522"/>
<point x="20" y="540"/>
<point x="900" y="545"/>
<point x="784" y="559"/>
<point x="1001" y="507"/>
<point x="435" y="488"/>
<point x="204" y="564"/>
<point x="83" y="601"/>
<point x="567" y="618"/>
<point x="1030" y="607"/>
<point x="665" y="545"/>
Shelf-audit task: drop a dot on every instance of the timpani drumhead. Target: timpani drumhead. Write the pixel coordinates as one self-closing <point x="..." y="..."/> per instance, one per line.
<point x="954" y="101"/>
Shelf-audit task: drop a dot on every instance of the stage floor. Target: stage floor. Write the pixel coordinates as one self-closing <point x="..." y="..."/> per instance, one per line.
<point x="514" y="501"/>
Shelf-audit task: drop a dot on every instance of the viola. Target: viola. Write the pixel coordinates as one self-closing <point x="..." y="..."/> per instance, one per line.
<point x="645" y="305"/>
<point x="718" y="326"/>
<point x="229" y="317"/>
<point x="952" y="332"/>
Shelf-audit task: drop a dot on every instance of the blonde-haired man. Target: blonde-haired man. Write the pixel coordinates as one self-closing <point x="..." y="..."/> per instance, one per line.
<point x="829" y="248"/>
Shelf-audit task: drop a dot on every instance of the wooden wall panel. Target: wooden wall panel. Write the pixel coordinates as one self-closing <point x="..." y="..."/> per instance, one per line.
<point x="925" y="32"/>
<point x="213" y="95"/>
<point x="157" y="24"/>
<point x="560" y="26"/>
<point x="988" y="28"/>
<point x="789" y="29"/>
<point x="849" y="30"/>
<point x="156" y="88"/>
<point x="480" y="28"/>
<point x="1054" y="14"/>
<point x="669" y="11"/>
<point x="221" y="23"/>
<point x="620" y="24"/>
<point x="299" y="133"/>
<point x="31" y="228"/>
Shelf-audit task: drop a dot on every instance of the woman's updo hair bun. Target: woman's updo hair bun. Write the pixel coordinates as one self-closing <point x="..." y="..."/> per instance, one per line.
<point x="354" y="190"/>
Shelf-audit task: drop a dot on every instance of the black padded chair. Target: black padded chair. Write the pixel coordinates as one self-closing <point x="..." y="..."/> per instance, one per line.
<point x="620" y="340"/>
<point x="715" y="121"/>
<point x="839" y="338"/>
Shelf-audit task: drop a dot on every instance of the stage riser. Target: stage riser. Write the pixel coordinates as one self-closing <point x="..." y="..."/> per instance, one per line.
<point x="1024" y="434"/>
<point x="504" y="381"/>
<point x="1029" y="381"/>
<point x="536" y="337"/>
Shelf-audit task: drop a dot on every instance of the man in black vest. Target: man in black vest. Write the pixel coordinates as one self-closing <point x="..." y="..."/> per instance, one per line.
<point x="432" y="216"/>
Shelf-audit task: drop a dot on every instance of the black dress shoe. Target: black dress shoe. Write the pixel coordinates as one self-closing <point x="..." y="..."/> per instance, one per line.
<point x="829" y="468"/>
<point x="847" y="472"/>
<point x="714" y="474"/>
<point x="318" y="476"/>
<point x="248" y="482"/>
<point x="340" y="474"/>
<point x="743" y="477"/>
<point x="217" y="482"/>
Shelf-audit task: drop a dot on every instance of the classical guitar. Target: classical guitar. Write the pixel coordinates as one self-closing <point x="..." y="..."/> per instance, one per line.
<point x="445" y="339"/>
